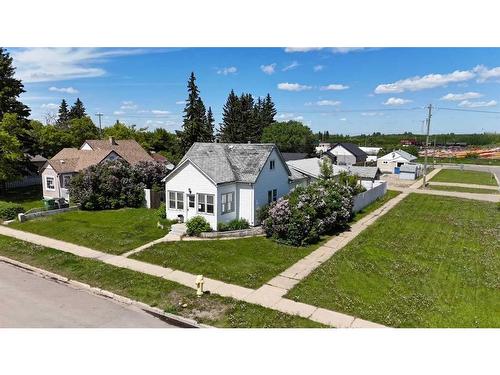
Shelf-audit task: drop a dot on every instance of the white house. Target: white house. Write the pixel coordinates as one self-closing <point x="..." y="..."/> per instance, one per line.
<point x="347" y="154"/>
<point x="226" y="181"/>
<point x="323" y="147"/>
<point x="394" y="159"/>
<point x="372" y="153"/>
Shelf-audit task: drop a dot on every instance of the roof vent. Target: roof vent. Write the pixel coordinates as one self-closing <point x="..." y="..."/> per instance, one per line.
<point x="112" y="141"/>
<point x="230" y="147"/>
<point x="62" y="161"/>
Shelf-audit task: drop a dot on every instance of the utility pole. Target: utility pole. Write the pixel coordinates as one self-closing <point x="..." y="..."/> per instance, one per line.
<point x="427" y="143"/>
<point x="99" y="114"/>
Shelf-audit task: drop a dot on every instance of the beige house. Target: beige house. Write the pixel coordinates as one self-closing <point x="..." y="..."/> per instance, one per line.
<point x="58" y="171"/>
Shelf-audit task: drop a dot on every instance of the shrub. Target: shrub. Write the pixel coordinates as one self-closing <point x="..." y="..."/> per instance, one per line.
<point x="301" y="217"/>
<point x="107" y="185"/>
<point x="350" y="180"/>
<point x="9" y="211"/>
<point x="161" y="212"/>
<point x="236" y="224"/>
<point x="196" y="225"/>
<point x="150" y="174"/>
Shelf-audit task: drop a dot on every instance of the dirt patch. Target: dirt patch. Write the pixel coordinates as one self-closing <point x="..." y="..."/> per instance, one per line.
<point x="203" y="308"/>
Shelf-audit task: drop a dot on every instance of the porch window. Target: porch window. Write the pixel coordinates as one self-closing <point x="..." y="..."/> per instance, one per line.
<point x="227" y="202"/>
<point x="49" y="183"/>
<point x="206" y="203"/>
<point x="191" y="201"/>
<point x="272" y="196"/>
<point x="66" y="181"/>
<point x="176" y="200"/>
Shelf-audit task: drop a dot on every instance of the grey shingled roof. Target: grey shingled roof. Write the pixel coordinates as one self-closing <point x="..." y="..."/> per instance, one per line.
<point x="411" y="168"/>
<point x="363" y="172"/>
<point x="406" y="155"/>
<point x="312" y="167"/>
<point x="352" y="148"/>
<point x="230" y="162"/>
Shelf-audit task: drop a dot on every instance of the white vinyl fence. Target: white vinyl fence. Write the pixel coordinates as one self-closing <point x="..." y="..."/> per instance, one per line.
<point x="364" y="199"/>
<point x="26" y="181"/>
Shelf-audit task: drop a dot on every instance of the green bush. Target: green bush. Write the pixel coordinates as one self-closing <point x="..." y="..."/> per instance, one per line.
<point x="161" y="212"/>
<point x="196" y="225"/>
<point x="9" y="211"/>
<point x="236" y="224"/>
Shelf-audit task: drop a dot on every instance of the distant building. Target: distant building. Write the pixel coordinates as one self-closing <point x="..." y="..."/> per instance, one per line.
<point x="323" y="147"/>
<point x="395" y="159"/>
<point x="294" y="155"/>
<point x="347" y="154"/>
<point x="372" y="153"/>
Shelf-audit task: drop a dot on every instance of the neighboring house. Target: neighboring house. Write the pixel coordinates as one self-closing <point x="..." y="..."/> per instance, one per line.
<point x="293" y="155"/>
<point x="409" y="171"/>
<point x="226" y="181"/>
<point x="372" y="153"/>
<point x="323" y="147"/>
<point x="58" y="171"/>
<point x="311" y="169"/>
<point x="159" y="158"/>
<point x="347" y="154"/>
<point x="393" y="160"/>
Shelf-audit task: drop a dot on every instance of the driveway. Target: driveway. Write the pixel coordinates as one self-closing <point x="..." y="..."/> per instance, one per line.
<point x="30" y="301"/>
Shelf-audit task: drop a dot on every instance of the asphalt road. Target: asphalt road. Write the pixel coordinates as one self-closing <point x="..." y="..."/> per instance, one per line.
<point x="30" y="301"/>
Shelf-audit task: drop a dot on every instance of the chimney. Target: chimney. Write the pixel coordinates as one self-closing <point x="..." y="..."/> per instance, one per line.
<point x="112" y="141"/>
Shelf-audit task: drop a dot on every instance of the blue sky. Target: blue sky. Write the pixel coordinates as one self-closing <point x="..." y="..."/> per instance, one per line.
<point x="348" y="91"/>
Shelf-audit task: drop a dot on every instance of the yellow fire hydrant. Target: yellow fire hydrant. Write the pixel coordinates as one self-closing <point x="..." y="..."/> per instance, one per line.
<point x="199" y="285"/>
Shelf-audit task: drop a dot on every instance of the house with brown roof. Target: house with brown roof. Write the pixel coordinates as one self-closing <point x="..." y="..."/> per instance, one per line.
<point x="58" y="171"/>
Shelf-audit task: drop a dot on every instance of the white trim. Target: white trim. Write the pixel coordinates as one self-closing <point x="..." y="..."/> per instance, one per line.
<point x="53" y="183"/>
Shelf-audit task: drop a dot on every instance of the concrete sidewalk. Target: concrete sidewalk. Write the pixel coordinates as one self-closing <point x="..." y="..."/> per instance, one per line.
<point x="457" y="184"/>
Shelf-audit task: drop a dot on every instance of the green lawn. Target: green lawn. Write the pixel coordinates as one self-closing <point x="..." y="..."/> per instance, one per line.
<point x="429" y="262"/>
<point x="463" y="189"/>
<point x="248" y="262"/>
<point x="28" y="197"/>
<point x="376" y="204"/>
<point x="155" y="291"/>
<point x="111" y="231"/>
<point x="465" y="177"/>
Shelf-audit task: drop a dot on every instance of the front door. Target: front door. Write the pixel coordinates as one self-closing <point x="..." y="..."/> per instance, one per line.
<point x="191" y="206"/>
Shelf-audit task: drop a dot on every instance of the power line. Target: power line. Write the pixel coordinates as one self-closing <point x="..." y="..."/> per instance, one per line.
<point x="468" y="110"/>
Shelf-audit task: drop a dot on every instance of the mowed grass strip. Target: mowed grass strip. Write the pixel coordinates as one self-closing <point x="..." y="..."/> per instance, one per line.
<point x="248" y="262"/>
<point x="465" y="177"/>
<point x="155" y="291"/>
<point x="111" y="231"/>
<point x="429" y="262"/>
<point x="377" y="203"/>
<point x="462" y="189"/>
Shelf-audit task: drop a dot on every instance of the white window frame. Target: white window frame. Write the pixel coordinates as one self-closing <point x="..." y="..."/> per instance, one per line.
<point x="176" y="200"/>
<point x="47" y="187"/>
<point x="202" y="200"/>
<point x="272" y="196"/>
<point x="64" y="177"/>
<point x="189" y="201"/>
<point x="225" y="202"/>
<point x="272" y="164"/>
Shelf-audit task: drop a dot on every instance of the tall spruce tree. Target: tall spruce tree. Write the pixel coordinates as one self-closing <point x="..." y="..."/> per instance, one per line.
<point x="209" y="126"/>
<point x="194" y="125"/>
<point x="10" y="89"/>
<point x="64" y="117"/>
<point x="77" y="110"/>
<point x="268" y="111"/>
<point x="230" y="129"/>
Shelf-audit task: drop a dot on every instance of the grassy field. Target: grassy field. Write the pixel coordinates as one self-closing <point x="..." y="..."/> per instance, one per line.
<point x="429" y="262"/>
<point x="210" y="309"/>
<point x="463" y="189"/>
<point x="376" y="204"/>
<point x="28" y="197"/>
<point x="111" y="231"/>
<point x="248" y="262"/>
<point x="465" y="177"/>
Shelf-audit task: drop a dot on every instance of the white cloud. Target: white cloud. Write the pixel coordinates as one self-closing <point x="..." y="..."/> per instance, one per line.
<point x="301" y="49"/>
<point x="293" y="86"/>
<point x="370" y="114"/>
<point x="289" y="116"/>
<point x="59" y="64"/>
<point x="159" y="112"/>
<point x="327" y="102"/>
<point x="180" y="102"/>
<point x="469" y="104"/>
<point x="334" y="87"/>
<point x="343" y="119"/>
<point x="50" y="106"/>
<point x="291" y="66"/>
<point x="396" y="101"/>
<point x="228" y="70"/>
<point x="118" y="112"/>
<point x="268" y="69"/>
<point x="318" y="68"/>
<point x="67" y="90"/>
<point x="344" y="50"/>
<point x="128" y="104"/>
<point x="484" y="74"/>
<point x="460" y="97"/>
<point x="426" y="82"/>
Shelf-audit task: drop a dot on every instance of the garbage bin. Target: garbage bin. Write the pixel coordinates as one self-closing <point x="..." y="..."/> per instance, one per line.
<point x="49" y="204"/>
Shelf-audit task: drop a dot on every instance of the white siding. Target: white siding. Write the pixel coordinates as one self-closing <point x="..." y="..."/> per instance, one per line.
<point x="189" y="177"/>
<point x="49" y="172"/>
<point x="344" y="157"/>
<point x="85" y="146"/>
<point x="270" y="179"/>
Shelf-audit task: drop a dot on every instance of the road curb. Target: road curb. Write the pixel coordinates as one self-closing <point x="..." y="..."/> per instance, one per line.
<point x="173" y="319"/>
